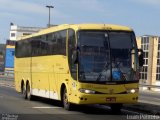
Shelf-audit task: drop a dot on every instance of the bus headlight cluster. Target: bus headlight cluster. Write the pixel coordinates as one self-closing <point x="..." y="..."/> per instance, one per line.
<point x="132" y="90"/>
<point x="86" y="91"/>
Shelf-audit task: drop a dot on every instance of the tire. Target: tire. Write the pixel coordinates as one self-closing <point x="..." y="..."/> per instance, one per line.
<point x="67" y="105"/>
<point x="23" y="91"/>
<point x="116" y="108"/>
<point x="28" y="92"/>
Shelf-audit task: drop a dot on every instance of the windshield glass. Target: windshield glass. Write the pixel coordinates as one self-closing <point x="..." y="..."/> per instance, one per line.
<point x="106" y="56"/>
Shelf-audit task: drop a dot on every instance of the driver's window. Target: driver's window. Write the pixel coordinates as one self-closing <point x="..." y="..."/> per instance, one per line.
<point x="71" y="48"/>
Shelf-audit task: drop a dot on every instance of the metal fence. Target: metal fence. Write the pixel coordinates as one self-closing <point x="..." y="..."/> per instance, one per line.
<point x="6" y="76"/>
<point x="149" y="86"/>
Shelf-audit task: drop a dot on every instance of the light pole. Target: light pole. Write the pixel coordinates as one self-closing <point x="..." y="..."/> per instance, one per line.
<point x="49" y="7"/>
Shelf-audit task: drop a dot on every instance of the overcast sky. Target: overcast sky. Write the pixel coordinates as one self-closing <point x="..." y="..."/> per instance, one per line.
<point x="141" y="15"/>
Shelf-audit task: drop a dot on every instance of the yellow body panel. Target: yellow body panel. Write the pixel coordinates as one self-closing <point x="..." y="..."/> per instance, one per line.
<point x="42" y="72"/>
<point x="46" y="74"/>
<point x="22" y="71"/>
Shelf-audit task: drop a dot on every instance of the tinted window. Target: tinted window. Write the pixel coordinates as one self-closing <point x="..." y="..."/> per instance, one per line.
<point x="23" y="48"/>
<point x="50" y="44"/>
<point x="71" y="48"/>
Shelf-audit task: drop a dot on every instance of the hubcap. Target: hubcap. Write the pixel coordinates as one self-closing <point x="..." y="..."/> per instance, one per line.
<point x="65" y="99"/>
<point x="23" y="90"/>
<point x="28" y="92"/>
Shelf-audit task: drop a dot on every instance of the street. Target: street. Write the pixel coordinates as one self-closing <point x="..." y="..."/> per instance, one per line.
<point x="12" y="102"/>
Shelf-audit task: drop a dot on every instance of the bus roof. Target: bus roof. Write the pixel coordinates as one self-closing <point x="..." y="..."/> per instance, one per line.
<point x="78" y="27"/>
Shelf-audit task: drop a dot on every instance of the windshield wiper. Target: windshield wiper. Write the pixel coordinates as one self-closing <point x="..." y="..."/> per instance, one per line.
<point x="104" y="69"/>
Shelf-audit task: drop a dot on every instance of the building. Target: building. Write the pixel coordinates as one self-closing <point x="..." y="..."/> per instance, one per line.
<point x="9" y="56"/>
<point x="150" y="72"/>
<point x="15" y="32"/>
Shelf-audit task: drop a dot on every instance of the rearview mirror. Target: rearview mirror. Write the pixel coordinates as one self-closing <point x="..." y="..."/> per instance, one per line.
<point x="75" y="57"/>
<point x="141" y="58"/>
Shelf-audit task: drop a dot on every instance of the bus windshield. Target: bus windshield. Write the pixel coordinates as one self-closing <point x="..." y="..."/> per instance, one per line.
<point x="106" y="56"/>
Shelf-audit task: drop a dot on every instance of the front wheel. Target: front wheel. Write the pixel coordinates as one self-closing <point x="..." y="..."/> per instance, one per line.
<point x="66" y="104"/>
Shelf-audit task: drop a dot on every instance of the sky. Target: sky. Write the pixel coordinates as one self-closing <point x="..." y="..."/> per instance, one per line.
<point x="143" y="16"/>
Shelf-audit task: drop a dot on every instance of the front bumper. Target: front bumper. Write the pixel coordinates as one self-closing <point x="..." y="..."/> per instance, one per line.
<point x="104" y="98"/>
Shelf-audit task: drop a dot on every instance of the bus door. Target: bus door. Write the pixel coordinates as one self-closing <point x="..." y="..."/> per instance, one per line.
<point x="72" y="66"/>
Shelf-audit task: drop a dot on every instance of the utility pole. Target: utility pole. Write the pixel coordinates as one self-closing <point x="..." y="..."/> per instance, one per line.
<point x="49" y="7"/>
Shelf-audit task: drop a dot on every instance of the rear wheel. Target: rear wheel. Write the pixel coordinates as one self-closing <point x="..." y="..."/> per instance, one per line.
<point x="66" y="104"/>
<point x="28" y="92"/>
<point x="23" y="91"/>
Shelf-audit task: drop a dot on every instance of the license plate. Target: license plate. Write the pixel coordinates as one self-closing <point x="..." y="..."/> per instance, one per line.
<point x="111" y="99"/>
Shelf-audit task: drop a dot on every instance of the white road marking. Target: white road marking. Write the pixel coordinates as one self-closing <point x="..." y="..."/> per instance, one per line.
<point x="45" y="107"/>
<point x="6" y="85"/>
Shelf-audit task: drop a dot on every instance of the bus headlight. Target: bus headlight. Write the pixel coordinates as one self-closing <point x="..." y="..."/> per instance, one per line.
<point x="132" y="90"/>
<point x="87" y="91"/>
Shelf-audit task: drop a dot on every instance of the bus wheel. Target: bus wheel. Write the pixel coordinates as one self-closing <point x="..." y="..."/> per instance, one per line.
<point x="23" y="90"/>
<point x="116" y="108"/>
<point x="66" y="104"/>
<point x="28" y="92"/>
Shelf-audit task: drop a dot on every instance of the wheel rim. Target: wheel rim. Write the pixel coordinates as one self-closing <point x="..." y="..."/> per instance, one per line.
<point x="24" y="94"/>
<point x="28" y="92"/>
<point x="23" y="90"/>
<point x="65" y="99"/>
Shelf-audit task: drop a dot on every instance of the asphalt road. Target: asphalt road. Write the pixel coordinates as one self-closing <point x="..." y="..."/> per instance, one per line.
<point x="13" y="105"/>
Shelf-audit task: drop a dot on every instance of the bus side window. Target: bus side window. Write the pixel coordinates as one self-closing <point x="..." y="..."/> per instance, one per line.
<point x="71" y="48"/>
<point x="61" y="42"/>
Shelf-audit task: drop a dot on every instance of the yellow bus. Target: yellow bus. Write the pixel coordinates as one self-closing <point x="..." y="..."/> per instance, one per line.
<point x="79" y="64"/>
